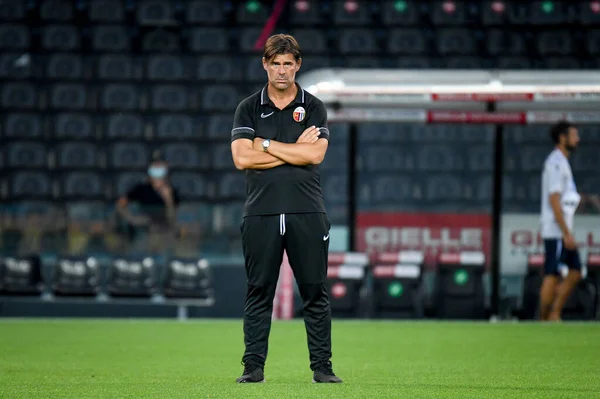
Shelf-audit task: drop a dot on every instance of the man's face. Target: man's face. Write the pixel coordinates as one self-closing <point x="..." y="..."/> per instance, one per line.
<point x="281" y="70"/>
<point x="572" y="139"/>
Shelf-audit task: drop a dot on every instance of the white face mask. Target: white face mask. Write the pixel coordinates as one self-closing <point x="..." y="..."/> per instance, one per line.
<point x="157" y="172"/>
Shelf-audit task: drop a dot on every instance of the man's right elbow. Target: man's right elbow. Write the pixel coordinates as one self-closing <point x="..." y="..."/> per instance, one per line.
<point x="240" y="163"/>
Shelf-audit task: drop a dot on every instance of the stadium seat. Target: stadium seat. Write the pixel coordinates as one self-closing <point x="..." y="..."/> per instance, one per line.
<point x="532" y="157"/>
<point x="56" y="10"/>
<point x="444" y="187"/>
<point x="60" y="37"/>
<point x="209" y="40"/>
<point x="191" y="186"/>
<point x="455" y="41"/>
<point x="448" y="13"/>
<point x="388" y="158"/>
<point x="195" y="217"/>
<point x="176" y="127"/>
<point x="215" y="68"/>
<point x="593" y="42"/>
<point x="73" y="126"/>
<point x="314" y="40"/>
<point x="255" y="13"/>
<point x="335" y="188"/>
<point x="219" y="98"/>
<point x="247" y="38"/>
<point x="65" y="96"/>
<point x="406" y="41"/>
<point x="518" y="14"/>
<point x="110" y="38"/>
<point x="64" y="66"/>
<point x="25" y="155"/>
<point x="166" y="67"/>
<point x="351" y="13"/>
<point x="185" y="156"/>
<point x="131" y="276"/>
<point x="336" y="158"/>
<point x="21" y="275"/>
<point x="14" y="37"/>
<point x="346" y="275"/>
<point x="219" y="127"/>
<point x="204" y="12"/>
<point x="30" y="184"/>
<point x="170" y="98"/>
<point x="400" y="13"/>
<point x="155" y="13"/>
<point x="125" y="126"/>
<point x="554" y="42"/>
<point x="159" y="40"/>
<point x="125" y="181"/>
<point x="188" y="278"/>
<point x="76" y="276"/>
<point x="494" y="13"/>
<point x="231" y="185"/>
<point x="357" y="41"/>
<point x="221" y="157"/>
<point x="255" y="72"/>
<point x="120" y="97"/>
<point x="397" y="290"/>
<point x="12" y="11"/>
<point x="459" y="286"/>
<point x="19" y="96"/>
<point x="82" y="185"/>
<point x="440" y="158"/>
<point x="305" y="15"/>
<point x="228" y="218"/>
<point x="22" y="125"/>
<point x="128" y="155"/>
<point x="106" y="11"/>
<point x="481" y="159"/>
<point x="541" y="14"/>
<point x="115" y="67"/>
<point x="78" y="155"/>
<point x="15" y="66"/>
<point x="388" y="189"/>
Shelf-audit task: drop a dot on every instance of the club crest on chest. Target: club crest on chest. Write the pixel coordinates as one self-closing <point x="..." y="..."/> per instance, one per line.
<point x="299" y="114"/>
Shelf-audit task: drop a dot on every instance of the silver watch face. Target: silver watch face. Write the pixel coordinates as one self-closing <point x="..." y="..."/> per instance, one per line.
<point x="266" y="143"/>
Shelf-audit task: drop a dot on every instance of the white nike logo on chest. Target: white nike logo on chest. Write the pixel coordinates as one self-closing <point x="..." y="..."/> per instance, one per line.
<point x="263" y="115"/>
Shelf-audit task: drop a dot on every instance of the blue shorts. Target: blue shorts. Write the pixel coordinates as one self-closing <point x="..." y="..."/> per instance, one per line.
<point x="556" y="255"/>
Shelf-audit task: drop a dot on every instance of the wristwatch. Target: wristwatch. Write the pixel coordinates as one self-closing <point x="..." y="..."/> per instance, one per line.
<point x="266" y="144"/>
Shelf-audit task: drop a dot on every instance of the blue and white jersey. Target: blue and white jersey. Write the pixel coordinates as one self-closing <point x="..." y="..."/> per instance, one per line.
<point x="557" y="177"/>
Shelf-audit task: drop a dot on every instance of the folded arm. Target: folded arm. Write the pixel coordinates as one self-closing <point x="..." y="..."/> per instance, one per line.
<point x="300" y="153"/>
<point x="246" y="157"/>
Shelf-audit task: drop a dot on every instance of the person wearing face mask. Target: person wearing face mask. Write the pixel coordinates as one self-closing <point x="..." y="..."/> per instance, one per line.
<point x="157" y="199"/>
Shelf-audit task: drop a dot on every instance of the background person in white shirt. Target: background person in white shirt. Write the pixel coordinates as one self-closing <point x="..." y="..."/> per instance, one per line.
<point x="559" y="203"/>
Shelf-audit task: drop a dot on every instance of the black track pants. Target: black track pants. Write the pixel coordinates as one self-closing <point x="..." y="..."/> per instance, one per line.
<point x="305" y="238"/>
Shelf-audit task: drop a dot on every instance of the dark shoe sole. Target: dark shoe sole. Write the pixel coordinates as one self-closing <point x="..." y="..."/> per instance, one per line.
<point x="252" y="382"/>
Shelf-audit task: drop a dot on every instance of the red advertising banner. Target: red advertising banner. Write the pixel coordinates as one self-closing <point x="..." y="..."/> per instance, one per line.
<point x="432" y="233"/>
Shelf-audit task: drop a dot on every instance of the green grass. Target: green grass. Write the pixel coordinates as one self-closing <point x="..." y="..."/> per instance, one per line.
<point x="201" y="359"/>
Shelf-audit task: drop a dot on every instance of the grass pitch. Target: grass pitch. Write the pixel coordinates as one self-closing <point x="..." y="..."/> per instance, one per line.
<point x="201" y="359"/>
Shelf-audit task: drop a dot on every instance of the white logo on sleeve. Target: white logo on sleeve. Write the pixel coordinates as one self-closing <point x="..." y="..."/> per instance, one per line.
<point x="325" y="238"/>
<point x="263" y="115"/>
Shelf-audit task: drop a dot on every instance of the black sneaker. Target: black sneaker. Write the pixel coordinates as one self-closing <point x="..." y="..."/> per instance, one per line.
<point x="324" y="373"/>
<point x="252" y="373"/>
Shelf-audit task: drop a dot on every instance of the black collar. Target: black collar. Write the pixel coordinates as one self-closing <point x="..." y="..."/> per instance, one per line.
<point x="264" y="96"/>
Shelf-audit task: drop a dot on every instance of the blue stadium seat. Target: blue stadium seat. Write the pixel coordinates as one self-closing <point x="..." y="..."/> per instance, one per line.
<point x="219" y="98"/>
<point x="69" y="96"/>
<point x="124" y="126"/>
<point x="247" y="38"/>
<point x="120" y="97"/>
<point x="593" y="42"/>
<point x="246" y="14"/>
<point x="444" y="188"/>
<point x="176" y="127"/>
<point x="78" y="155"/>
<point x="484" y="188"/>
<point x="440" y="158"/>
<point x="255" y="72"/>
<point x="125" y="181"/>
<point x="231" y="185"/>
<point x="357" y="40"/>
<point x="218" y="68"/>
<point x="110" y="38"/>
<point x="22" y="125"/>
<point x="191" y="186"/>
<point x="166" y="67"/>
<point x="336" y="158"/>
<point x="335" y="188"/>
<point x="406" y="41"/>
<point x="346" y="14"/>
<point x="204" y="12"/>
<point x="541" y="14"/>
<point x="209" y="40"/>
<point x="387" y="188"/>
<point x="533" y="157"/>
<point x="400" y="13"/>
<point x="56" y="10"/>
<point x="73" y="126"/>
<point x="30" y="184"/>
<point x="494" y="13"/>
<point x="381" y="158"/>
<point x="115" y="67"/>
<point x="12" y="11"/>
<point x="588" y="13"/>
<point x="305" y="14"/>
<point x="128" y="155"/>
<point x="170" y="98"/>
<point x="219" y="127"/>
<point x="155" y="12"/>
<point x="60" y="37"/>
<point x="25" y="155"/>
<point x="106" y="11"/>
<point x="19" y="96"/>
<point x="585" y="159"/>
<point x="15" y="66"/>
<point x="312" y="41"/>
<point x="480" y="158"/>
<point x="160" y="40"/>
<point x="190" y="213"/>
<point x="82" y="184"/>
<point x="221" y="157"/>
<point x="14" y="37"/>
<point x="64" y="66"/>
<point x="455" y="41"/>
<point x="380" y="132"/>
<point x="185" y="156"/>
<point x="554" y="42"/>
<point x="449" y="13"/>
